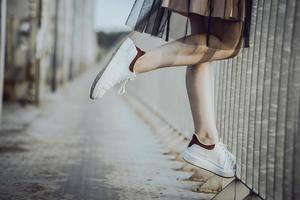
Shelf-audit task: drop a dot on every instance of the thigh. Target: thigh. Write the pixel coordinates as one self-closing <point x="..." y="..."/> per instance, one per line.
<point x="224" y="34"/>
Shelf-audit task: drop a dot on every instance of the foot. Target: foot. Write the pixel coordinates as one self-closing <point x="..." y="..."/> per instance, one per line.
<point x="117" y="70"/>
<point x="214" y="158"/>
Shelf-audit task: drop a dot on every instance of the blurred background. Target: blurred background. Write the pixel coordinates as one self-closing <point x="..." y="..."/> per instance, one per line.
<point x="47" y="43"/>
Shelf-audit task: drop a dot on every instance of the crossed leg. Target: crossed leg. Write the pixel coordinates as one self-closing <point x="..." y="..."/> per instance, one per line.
<point x="190" y="50"/>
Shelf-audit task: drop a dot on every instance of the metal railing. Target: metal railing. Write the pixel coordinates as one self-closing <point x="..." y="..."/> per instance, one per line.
<point x="257" y="101"/>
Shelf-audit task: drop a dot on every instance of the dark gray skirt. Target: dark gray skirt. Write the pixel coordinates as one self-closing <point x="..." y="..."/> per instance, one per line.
<point x="228" y="20"/>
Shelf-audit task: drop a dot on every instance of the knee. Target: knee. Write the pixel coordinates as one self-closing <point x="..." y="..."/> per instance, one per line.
<point x="225" y="54"/>
<point x="193" y="46"/>
<point x="196" y="48"/>
<point x="194" y="40"/>
<point x="188" y="47"/>
<point x="234" y="53"/>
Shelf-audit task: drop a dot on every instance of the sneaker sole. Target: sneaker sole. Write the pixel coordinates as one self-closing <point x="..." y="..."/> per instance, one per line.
<point x="104" y="68"/>
<point x="206" y="165"/>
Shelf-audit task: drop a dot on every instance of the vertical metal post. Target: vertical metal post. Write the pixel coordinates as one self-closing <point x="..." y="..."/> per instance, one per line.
<point x="2" y="49"/>
<point x="33" y="68"/>
<point x="37" y="62"/>
<point x="73" y="35"/>
<point x="54" y="56"/>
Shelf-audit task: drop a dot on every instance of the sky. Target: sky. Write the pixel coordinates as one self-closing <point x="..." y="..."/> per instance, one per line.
<point x="111" y="15"/>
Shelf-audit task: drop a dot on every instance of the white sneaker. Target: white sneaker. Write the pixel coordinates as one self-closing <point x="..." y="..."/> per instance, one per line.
<point x="116" y="71"/>
<point x="217" y="160"/>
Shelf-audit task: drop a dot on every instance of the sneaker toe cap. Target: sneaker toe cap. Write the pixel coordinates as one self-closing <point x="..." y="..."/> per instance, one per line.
<point x="98" y="93"/>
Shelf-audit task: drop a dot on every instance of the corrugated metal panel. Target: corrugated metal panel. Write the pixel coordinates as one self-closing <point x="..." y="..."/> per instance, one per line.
<point x="255" y="140"/>
<point x="295" y="118"/>
<point x="231" y="103"/>
<point x="266" y="100"/>
<point x="240" y="121"/>
<point x="273" y="108"/>
<point x="259" y="165"/>
<point x="290" y="103"/>
<point x="220" y="95"/>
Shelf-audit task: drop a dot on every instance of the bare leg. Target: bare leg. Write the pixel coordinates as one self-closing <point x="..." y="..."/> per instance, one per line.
<point x="188" y="50"/>
<point x="198" y="84"/>
<point x="185" y="51"/>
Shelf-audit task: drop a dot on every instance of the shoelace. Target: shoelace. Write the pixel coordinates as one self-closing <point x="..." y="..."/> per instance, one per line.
<point x="123" y="86"/>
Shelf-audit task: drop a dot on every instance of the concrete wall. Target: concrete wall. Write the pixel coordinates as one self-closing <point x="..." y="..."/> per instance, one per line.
<point x="66" y="41"/>
<point x="256" y="100"/>
<point x="47" y="43"/>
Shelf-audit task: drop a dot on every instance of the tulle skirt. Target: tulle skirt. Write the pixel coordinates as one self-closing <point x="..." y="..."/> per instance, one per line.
<point x="227" y="20"/>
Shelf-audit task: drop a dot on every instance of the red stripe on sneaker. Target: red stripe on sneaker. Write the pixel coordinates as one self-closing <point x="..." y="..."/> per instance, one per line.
<point x="197" y="142"/>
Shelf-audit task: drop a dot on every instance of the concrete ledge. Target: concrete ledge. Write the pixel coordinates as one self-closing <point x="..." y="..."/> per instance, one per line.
<point x="174" y="143"/>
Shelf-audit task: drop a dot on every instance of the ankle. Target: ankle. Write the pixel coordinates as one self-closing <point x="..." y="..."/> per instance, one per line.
<point x="139" y="54"/>
<point x="204" y="138"/>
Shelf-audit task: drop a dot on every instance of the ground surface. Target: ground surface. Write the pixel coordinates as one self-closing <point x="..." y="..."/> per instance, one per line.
<point x="75" y="148"/>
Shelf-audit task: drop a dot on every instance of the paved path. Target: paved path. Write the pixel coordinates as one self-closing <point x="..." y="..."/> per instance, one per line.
<point x="81" y="149"/>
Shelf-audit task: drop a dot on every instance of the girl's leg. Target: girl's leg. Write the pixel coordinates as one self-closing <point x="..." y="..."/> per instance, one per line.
<point x="190" y="50"/>
<point x="200" y="93"/>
